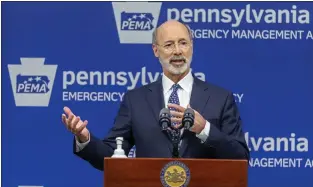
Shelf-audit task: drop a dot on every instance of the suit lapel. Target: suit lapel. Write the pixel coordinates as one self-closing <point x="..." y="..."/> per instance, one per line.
<point x="155" y="99"/>
<point x="198" y="101"/>
<point x="199" y="95"/>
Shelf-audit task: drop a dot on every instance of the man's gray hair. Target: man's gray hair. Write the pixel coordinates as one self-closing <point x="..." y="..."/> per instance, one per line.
<point x="154" y="34"/>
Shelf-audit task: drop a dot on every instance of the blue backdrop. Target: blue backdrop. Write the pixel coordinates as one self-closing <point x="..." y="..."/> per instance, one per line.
<point x="86" y="55"/>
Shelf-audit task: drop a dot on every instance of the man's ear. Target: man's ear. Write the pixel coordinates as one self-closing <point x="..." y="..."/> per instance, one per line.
<point x="155" y="50"/>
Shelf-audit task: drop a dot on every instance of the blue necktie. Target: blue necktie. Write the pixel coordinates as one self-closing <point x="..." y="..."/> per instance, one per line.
<point x="174" y="100"/>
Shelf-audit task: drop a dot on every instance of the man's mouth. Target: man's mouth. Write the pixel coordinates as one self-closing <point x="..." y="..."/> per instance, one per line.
<point x="178" y="62"/>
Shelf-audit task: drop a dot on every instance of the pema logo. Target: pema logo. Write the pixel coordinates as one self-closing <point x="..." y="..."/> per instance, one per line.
<point x="32" y="82"/>
<point x="136" y="21"/>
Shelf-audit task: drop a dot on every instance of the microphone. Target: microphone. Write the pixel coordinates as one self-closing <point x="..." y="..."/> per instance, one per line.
<point x="165" y="123"/>
<point x="165" y="118"/>
<point x="188" y="118"/>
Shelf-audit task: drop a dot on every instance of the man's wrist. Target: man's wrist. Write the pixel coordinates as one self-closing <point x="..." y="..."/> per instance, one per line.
<point x="83" y="138"/>
<point x="204" y="134"/>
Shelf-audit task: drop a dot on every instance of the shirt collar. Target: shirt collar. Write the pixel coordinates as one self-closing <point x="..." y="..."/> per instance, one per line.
<point x="185" y="83"/>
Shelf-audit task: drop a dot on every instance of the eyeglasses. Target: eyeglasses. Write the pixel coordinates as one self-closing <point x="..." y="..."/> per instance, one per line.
<point x="170" y="47"/>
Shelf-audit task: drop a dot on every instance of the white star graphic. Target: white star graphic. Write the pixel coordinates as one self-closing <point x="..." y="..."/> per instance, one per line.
<point x="142" y="16"/>
<point x="38" y="78"/>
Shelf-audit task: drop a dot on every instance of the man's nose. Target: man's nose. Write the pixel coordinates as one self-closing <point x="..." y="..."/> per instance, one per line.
<point x="177" y="50"/>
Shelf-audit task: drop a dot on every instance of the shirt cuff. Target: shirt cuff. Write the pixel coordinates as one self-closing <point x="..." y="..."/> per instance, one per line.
<point x="81" y="146"/>
<point x="204" y="134"/>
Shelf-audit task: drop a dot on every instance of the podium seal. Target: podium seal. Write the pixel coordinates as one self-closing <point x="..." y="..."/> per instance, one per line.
<point x="175" y="174"/>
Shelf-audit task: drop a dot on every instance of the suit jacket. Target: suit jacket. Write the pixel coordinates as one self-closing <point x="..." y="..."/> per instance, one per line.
<point x="137" y="122"/>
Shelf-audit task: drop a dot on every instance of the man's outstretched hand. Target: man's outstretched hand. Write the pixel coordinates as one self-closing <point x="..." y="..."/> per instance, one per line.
<point x="74" y="124"/>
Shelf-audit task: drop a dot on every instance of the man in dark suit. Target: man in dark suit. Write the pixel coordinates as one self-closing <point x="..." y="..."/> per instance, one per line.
<point x="217" y="130"/>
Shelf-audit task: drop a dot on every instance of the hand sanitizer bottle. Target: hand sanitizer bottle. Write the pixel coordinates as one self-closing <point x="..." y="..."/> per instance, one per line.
<point x="119" y="152"/>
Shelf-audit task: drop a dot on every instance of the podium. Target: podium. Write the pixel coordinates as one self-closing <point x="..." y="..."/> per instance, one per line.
<point x="172" y="172"/>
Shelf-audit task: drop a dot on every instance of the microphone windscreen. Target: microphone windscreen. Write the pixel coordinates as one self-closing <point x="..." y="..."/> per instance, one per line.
<point x="189" y="111"/>
<point x="165" y="111"/>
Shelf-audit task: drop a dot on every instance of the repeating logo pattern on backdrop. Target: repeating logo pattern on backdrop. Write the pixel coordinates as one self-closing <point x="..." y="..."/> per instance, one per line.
<point x="32" y="82"/>
<point x="136" y="21"/>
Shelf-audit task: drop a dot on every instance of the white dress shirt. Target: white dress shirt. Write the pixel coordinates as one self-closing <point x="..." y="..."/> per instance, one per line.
<point x="184" y="94"/>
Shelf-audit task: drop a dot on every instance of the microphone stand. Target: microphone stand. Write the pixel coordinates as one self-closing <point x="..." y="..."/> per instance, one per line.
<point x="175" y="137"/>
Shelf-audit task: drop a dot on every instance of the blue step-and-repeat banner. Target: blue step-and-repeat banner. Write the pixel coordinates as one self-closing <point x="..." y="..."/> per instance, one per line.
<point x="86" y="55"/>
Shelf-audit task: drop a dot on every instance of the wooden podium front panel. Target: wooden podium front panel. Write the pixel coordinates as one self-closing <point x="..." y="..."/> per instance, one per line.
<point x="146" y="172"/>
